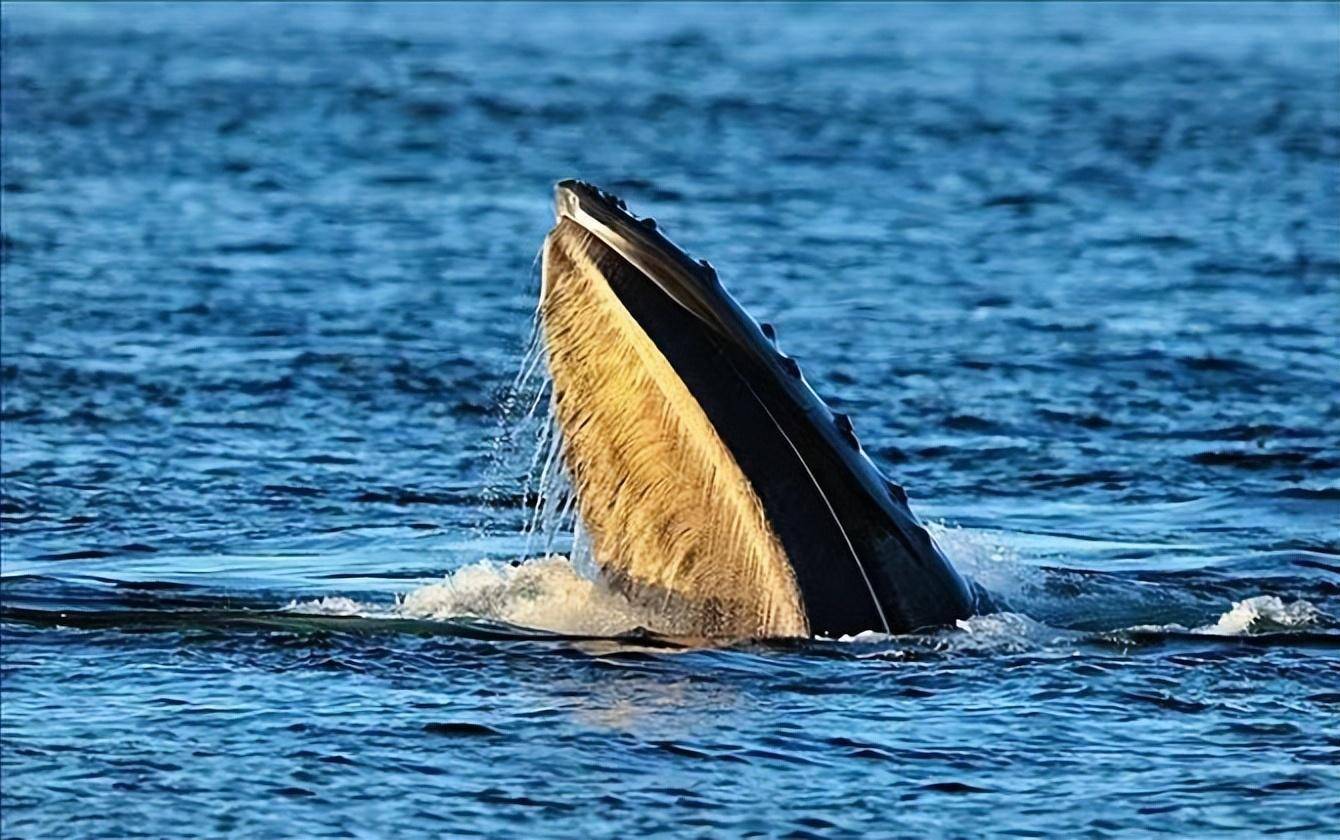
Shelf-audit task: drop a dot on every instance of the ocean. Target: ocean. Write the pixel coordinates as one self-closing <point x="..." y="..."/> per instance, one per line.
<point x="269" y="273"/>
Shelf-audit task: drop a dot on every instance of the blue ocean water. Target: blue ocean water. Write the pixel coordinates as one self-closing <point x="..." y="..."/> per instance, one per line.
<point x="268" y="274"/>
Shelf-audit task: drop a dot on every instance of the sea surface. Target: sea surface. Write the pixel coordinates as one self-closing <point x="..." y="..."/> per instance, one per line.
<point x="268" y="278"/>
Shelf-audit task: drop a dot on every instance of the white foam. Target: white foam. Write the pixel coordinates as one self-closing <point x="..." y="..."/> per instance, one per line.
<point x="330" y="605"/>
<point x="543" y="593"/>
<point x="1262" y="613"/>
<point x="865" y="636"/>
<point x="1002" y="632"/>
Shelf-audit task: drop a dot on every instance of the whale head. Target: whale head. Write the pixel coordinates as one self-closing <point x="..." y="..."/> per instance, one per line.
<point x="708" y="475"/>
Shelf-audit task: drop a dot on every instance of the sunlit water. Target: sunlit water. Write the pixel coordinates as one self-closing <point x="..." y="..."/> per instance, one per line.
<point x="268" y="276"/>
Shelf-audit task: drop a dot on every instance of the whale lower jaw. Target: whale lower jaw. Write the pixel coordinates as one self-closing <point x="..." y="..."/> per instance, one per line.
<point x="710" y="479"/>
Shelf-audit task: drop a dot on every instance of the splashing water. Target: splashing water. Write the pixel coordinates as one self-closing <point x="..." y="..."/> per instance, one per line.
<point x="546" y="593"/>
<point x="543" y="593"/>
<point x="1264" y="612"/>
<point x="1250" y="616"/>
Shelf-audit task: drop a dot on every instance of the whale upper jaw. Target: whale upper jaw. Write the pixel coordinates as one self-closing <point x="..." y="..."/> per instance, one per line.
<point x="639" y="241"/>
<point x="860" y="559"/>
<point x="692" y="284"/>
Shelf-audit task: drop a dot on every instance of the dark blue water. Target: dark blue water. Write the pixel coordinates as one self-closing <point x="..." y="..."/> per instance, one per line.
<point x="267" y="278"/>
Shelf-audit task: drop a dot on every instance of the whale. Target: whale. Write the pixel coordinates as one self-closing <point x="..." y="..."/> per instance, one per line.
<point x="709" y="477"/>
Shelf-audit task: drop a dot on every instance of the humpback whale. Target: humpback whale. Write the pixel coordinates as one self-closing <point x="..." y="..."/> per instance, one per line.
<point x="709" y="477"/>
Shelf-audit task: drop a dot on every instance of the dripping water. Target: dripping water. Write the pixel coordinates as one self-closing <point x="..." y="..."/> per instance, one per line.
<point x="527" y="453"/>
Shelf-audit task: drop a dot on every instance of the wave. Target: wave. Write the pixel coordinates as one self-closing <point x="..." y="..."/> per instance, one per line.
<point x="1048" y="592"/>
<point x="1001" y="632"/>
<point x="551" y="595"/>
<point x="1251" y="616"/>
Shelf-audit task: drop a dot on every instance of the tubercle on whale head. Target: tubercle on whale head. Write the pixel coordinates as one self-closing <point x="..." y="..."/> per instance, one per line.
<point x="896" y="491"/>
<point x="846" y="429"/>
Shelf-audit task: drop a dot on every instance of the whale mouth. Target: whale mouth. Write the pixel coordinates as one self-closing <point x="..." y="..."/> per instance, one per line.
<point x="709" y="477"/>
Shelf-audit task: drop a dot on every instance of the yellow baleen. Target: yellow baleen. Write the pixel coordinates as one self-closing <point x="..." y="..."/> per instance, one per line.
<point x="671" y="516"/>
